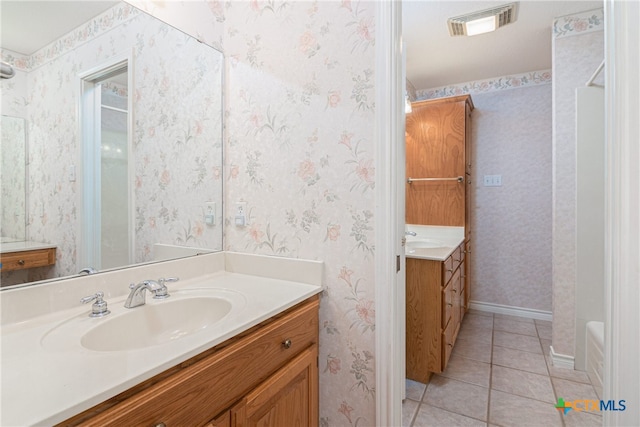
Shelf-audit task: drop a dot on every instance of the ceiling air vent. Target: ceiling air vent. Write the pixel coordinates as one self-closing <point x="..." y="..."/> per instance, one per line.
<point x="483" y="21"/>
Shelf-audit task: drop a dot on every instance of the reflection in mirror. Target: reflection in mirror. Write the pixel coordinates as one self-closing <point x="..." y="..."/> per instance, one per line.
<point x="107" y="216"/>
<point x="13" y="166"/>
<point x="175" y="132"/>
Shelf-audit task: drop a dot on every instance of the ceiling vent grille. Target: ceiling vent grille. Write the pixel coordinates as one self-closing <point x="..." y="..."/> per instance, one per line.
<point x="503" y="15"/>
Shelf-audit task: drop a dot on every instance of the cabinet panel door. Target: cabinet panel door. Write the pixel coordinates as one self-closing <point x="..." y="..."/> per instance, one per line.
<point x="288" y="398"/>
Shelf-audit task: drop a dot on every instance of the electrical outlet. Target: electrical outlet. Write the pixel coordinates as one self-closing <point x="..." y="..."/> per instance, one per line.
<point x="210" y="213"/>
<point x="492" y="180"/>
<point x="241" y="218"/>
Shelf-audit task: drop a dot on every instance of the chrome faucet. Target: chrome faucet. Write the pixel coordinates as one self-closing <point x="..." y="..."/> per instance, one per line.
<point x="136" y="297"/>
<point x="88" y="270"/>
<point x="410" y="233"/>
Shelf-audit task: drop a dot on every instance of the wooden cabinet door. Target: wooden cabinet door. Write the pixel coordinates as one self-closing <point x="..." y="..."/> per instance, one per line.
<point x="289" y="398"/>
<point x="435" y="149"/>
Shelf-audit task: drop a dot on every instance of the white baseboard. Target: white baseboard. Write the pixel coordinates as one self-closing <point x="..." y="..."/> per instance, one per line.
<point x="529" y="313"/>
<point x="561" y="360"/>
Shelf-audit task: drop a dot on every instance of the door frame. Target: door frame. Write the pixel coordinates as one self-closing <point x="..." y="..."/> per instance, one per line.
<point x="622" y="204"/>
<point x="89" y="230"/>
<point x="389" y="256"/>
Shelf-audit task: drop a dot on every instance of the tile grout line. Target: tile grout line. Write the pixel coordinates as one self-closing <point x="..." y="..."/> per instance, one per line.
<point x="553" y="387"/>
<point x="490" y="372"/>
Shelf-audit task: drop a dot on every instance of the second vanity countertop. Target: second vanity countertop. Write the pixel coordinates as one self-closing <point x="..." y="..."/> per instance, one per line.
<point x="432" y="242"/>
<point x="23" y="246"/>
<point x="45" y="381"/>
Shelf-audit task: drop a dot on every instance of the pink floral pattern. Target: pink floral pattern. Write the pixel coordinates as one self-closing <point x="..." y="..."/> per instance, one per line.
<point x="571" y="25"/>
<point x="305" y="102"/>
<point x="12" y="178"/>
<point x="533" y="78"/>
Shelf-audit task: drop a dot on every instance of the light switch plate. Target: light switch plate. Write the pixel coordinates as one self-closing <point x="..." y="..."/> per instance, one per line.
<point x="492" y="180"/>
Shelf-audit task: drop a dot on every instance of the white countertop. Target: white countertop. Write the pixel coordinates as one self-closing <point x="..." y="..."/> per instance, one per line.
<point x="45" y="382"/>
<point x="25" y="245"/>
<point x="443" y="240"/>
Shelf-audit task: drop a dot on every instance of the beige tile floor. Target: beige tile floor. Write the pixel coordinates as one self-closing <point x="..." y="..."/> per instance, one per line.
<point x="499" y="375"/>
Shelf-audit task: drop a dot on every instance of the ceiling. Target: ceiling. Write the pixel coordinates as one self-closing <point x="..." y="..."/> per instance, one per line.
<point x="436" y="59"/>
<point x="28" y="26"/>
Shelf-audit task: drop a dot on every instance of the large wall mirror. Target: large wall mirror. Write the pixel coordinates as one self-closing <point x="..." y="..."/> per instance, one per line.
<point x="157" y="139"/>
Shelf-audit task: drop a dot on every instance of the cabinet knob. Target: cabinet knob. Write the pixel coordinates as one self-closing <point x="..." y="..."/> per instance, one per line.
<point x="449" y="304"/>
<point x="287" y="343"/>
<point x="160" y="425"/>
<point x="450" y="270"/>
<point x="20" y="262"/>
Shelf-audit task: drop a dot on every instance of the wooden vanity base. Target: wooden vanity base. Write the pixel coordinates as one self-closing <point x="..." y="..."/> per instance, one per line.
<point x="260" y="375"/>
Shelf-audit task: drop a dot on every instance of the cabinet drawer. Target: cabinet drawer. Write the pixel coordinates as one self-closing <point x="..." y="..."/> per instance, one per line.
<point x="450" y="265"/>
<point x="194" y="394"/>
<point x="27" y="259"/>
<point x="448" y="339"/>
<point x="448" y="297"/>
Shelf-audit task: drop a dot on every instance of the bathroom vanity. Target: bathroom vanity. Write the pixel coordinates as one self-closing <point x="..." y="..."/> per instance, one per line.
<point x="254" y="361"/>
<point x="267" y="373"/>
<point x="439" y="200"/>
<point x="437" y="296"/>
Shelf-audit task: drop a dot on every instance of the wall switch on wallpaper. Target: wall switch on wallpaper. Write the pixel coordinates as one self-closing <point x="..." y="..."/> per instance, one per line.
<point x="493" y="180"/>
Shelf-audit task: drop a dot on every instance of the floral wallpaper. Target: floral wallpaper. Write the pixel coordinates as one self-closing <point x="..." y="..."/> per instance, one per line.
<point x="299" y="119"/>
<point x="300" y="111"/>
<point x="517" y="81"/>
<point x="12" y="179"/>
<point x="177" y="135"/>
<point x="577" y="54"/>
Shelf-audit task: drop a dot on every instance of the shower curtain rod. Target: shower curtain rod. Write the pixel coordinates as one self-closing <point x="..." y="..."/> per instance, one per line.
<point x="6" y="71"/>
<point x="593" y="77"/>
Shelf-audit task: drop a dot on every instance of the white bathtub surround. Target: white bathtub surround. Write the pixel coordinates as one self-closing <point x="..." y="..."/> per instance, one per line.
<point x="71" y="378"/>
<point x="440" y="241"/>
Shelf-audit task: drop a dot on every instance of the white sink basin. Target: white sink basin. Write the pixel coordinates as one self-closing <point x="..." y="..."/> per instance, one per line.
<point x="185" y="313"/>
<point x="424" y="244"/>
<point x="150" y="325"/>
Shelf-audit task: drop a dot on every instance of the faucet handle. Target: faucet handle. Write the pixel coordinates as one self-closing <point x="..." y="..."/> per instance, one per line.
<point x="99" y="307"/>
<point x="163" y="292"/>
